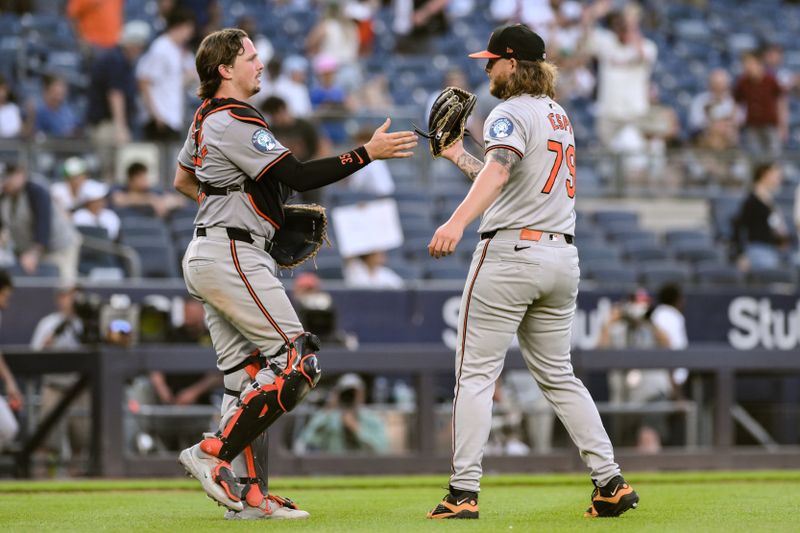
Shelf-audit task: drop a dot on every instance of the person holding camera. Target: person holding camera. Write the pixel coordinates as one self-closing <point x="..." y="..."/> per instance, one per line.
<point x="315" y="308"/>
<point x="630" y="325"/>
<point x="63" y="330"/>
<point x="346" y="424"/>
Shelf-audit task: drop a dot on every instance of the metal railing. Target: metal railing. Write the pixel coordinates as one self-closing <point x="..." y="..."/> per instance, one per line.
<point x="105" y="371"/>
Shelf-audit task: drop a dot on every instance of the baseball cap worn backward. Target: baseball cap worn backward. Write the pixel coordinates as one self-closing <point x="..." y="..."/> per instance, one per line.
<point x="516" y="41"/>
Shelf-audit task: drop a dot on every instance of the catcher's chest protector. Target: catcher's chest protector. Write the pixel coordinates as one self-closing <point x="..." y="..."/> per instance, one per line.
<point x="266" y="196"/>
<point x="265" y="404"/>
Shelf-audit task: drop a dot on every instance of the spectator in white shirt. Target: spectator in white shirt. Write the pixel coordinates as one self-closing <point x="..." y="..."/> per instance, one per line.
<point x="668" y="317"/>
<point x="538" y="15"/>
<point x="10" y="115"/>
<point x="93" y="210"/>
<point x="336" y="36"/>
<point x="626" y="60"/>
<point x="369" y="271"/>
<point x="163" y="72"/>
<point x="292" y="86"/>
<point x="286" y="80"/>
<point x="68" y="193"/>
<point x="715" y="104"/>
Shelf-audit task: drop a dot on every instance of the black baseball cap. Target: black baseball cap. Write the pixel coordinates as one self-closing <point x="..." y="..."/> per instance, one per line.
<point x="516" y="41"/>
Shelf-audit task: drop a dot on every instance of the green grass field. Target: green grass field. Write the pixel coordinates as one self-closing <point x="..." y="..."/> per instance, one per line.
<point x="674" y="502"/>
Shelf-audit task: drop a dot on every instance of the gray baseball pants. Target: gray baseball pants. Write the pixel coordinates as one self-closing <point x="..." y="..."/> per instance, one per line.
<point x="530" y="292"/>
<point x="246" y="309"/>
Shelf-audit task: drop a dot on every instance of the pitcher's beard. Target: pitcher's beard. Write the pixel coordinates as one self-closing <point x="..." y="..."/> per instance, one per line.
<point x="497" y="88"/>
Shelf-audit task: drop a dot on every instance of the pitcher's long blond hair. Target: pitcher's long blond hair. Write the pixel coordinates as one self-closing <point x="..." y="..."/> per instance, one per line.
<point x="532" y="77"/>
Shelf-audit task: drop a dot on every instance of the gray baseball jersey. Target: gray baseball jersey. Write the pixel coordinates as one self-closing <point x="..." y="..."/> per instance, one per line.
<point x="523" y="281"/>
<point x="232" y="151"/>
<point x="536" y="129"/>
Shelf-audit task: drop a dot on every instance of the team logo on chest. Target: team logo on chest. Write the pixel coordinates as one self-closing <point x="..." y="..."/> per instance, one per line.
<point x="263" y="140"/>
<point x="501" y="128"/>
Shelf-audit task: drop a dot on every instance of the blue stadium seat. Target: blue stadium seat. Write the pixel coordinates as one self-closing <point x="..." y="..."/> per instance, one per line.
<point x="183" y="237"/>
<point x="408" y="271"/>
<point x="179" y="224"/>
<point x="188" y="210"/>
<point x="611" y="274"/>
<point x="445" y="269"/>
<point x="90" y="257"/>
<point x="412" y="196"/>
<point x="633" y="235"/>
<point x="589" y="234"/>
<point x="144" y="211"/>
<point x="598" y="251"/>
<point x="131" y="234"/>
<point x="415" y="212"/>
<point x="606" y="216"/>
<point x="158" y="259"/>
<point x="696" y="252"/>
<point x="656" y="275"/>
<point x="673" y="237"/>
<point x="418" y="232"/>
<point x="642" y="251"/>
<point x="416" y="248"/>
<point x="723" y="210"/>
<point x="95" y="232"/>
<point x="416" y="224"/>
<point x="715" y="273"/>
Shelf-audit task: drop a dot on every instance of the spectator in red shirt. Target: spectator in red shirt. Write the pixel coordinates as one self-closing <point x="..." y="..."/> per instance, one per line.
<point x="766" y="124"/>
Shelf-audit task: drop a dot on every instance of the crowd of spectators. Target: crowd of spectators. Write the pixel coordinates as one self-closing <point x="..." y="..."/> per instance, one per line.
<point x="332" y="63"/>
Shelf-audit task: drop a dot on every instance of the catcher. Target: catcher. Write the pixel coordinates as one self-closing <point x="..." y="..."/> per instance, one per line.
<point x="241" y="176"/>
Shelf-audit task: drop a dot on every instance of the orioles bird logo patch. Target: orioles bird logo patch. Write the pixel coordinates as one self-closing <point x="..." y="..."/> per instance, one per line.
<point x="501" y="128"/>
<point x="263" y="140"/>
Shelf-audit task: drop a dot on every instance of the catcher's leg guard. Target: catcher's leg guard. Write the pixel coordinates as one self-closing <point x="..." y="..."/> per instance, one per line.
<point x="255" y="484"/>
<point x="265" y="404"/>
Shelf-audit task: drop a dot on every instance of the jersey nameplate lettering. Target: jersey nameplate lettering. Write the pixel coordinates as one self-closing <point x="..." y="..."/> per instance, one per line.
<point x="560" y="122"/>
<point x="501" y="128"/>
<point x="263" y="140"/>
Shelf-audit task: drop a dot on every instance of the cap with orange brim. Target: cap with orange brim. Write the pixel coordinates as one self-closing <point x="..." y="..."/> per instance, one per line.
<point x="516" y="41"/>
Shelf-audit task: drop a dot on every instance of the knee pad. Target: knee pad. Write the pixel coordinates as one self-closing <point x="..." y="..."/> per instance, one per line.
<point x="301" y="373"/>
<point x="265" y="404"/>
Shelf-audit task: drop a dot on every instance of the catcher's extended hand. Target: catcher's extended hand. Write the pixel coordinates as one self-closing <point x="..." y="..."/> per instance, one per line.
<point x="448" y="119"/>
<point x="304" y="229"/>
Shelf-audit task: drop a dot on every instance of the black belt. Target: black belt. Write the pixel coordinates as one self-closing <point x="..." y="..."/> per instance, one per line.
<point x="210" y="190"/>
<point x="237" y="234"/>
<point x="489" y="234"/>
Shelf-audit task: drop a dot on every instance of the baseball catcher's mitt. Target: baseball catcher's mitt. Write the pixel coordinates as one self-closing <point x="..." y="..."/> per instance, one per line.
<point x="448" y="119"/>
<point x="304" y="229"/>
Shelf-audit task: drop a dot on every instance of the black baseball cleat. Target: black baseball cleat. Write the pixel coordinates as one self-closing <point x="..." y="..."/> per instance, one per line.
<point x="461" y="505"/>
<point x="612" y="500"/>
